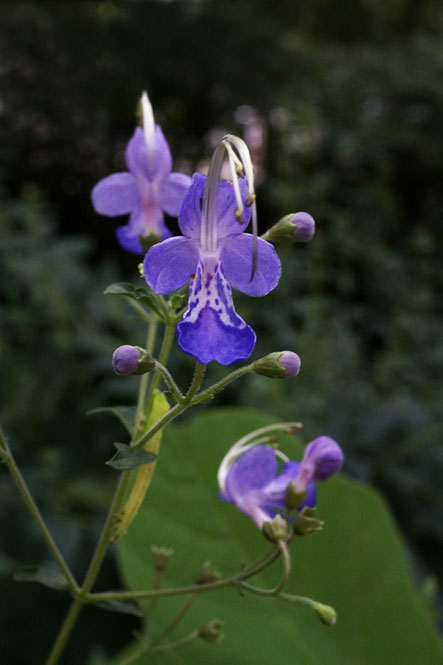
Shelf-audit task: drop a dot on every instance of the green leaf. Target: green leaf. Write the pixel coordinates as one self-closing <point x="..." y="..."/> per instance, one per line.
<point x="141" y="294"/>
<point x="126" y="415"/>
<point x="44" y="573"/>
<point x="126" y="458"/>
<point x="357" y="564"/>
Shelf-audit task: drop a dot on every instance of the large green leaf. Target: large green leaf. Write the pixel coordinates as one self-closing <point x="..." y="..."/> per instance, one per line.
<point x="357" y="564"/>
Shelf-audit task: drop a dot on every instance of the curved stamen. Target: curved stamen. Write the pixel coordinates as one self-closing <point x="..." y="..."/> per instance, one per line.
<point x="148" y="128"/>
<point x="242" y="162"/>
<point x="235" y="165"/>
<point x="245" y="158"/>
<point x="208" y="229"/>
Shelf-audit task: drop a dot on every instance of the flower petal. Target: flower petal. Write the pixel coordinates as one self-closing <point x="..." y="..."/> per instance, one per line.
<point x="274" y="493"/>
<point x="211" y="328"/>
<point x="169" y="265"/>
<point x="137" y="157"/>
<point x="208" y="338"/>
<point x="115" y="195"/>
<point x="189" y="218"/>
<point x="173" y="191"/>
<point x="236" y="258"/>
<point x="251" y="472"/>
<point x="162" y="155"/>
<point x="136" y="154"/>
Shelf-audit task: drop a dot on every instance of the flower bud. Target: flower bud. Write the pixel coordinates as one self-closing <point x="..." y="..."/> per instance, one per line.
<point x="161" y="557"/>
<point x="129" y="359"/>
<point x="276" y="529"/>
<point x="278" y="365"/>
<point x="211" y="631"/>
<point x="325" y="455"/>
<point x="326" y="614"/>
<point x="304" y="226"/>
<point x="306" y="523"/>
<point x="207" y="574"/>
<point x="299" y="226"/>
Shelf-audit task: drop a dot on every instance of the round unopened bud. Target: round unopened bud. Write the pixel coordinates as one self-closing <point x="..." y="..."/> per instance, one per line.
<point x="304" y="226"/>
<point x="125" y="359"/>
<point x="211" y="631"/>
<point x="325" y="455"/>
<point x="276" y="529"/>
<point x="129" y="359"/>
<point x="278" y="365"/>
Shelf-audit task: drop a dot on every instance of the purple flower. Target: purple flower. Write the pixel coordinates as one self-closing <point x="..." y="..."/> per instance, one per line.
<point x="249" y="476"/>
<point x="214" y="255"/>
<point x="147" y="190"/>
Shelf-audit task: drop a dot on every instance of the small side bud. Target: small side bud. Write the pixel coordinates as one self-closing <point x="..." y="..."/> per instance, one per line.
<point x="304" y="224"/>
<point x="276" y="529"/>
<point x="306" y="523"/>
<point x="211" y="631"/>
<point x="207" y="574"/>
<point x="129" y="359"/>
<point x="293" y="497"/>
<point x="299" y="227"/>
<point x="326" y="614"/>
<point x="278" y="365"/>
<point x="161" y="558"/>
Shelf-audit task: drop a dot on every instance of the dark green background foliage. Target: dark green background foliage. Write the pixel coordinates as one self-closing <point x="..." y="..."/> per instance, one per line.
<point x="351" y="101"/>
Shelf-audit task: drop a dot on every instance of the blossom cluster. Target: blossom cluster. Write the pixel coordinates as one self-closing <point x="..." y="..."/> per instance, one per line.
<point x="213" y="255"/>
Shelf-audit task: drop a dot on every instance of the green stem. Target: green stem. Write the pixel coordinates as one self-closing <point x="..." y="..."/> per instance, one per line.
<point x="287" y="567"/>
<point x="20" y="482"/>
<point x="150" y="342"/>
<point x="199" y="373"/>
<point x="176" y="619"/>
<point x="168" y="338"/>
<point x="140" y="310"/>
<point x="105" y="536"/>
<point x="194" y="399"/>
<point x="173" y="387"/>
<point x="255" y="568"/>
<point x="142" y="651"/>
<point x="216" y="387"/>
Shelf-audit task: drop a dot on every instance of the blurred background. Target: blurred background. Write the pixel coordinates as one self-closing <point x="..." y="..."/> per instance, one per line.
<point x="342" y="107"/>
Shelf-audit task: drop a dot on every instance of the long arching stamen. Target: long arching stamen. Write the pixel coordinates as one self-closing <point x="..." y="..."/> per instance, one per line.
<point x="148" y="128"/>
<point x="245" y="158"/>
<point x="235" y="165"/>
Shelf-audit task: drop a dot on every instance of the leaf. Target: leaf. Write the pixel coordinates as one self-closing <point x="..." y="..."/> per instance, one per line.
<point x="126" y="458"/>
<point x="357" y="564"/>
<point x="126" y="415"/>
<point x="141" y="294"/>
<point x="44" y="573"/>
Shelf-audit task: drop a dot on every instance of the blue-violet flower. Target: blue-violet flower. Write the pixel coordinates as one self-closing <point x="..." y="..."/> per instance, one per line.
<point x="214" y="255"/>
<point x="249" y="476"/>
<point x="148" y="189"/>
